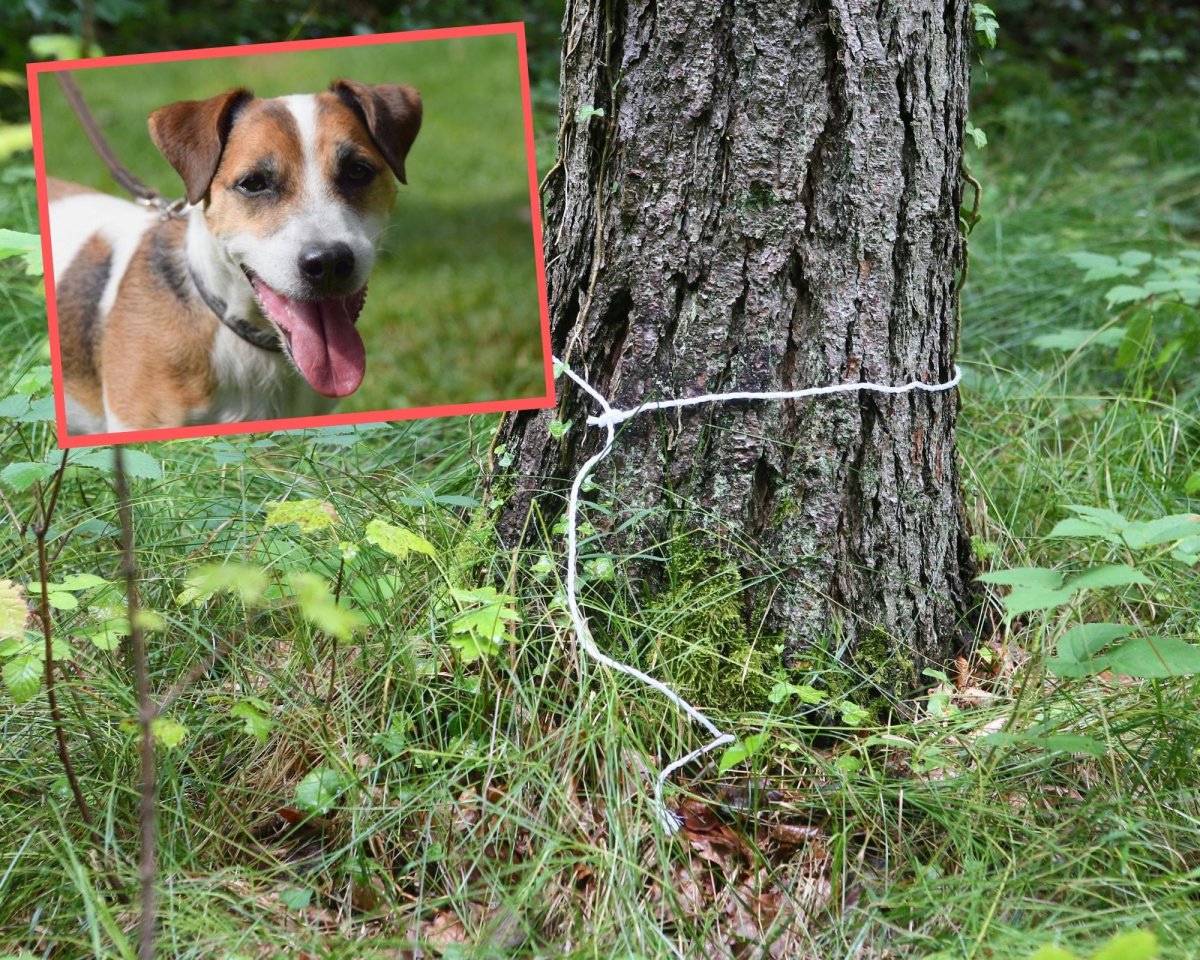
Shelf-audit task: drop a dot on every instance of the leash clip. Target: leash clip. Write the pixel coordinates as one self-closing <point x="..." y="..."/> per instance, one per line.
<point x="167" y="210"/>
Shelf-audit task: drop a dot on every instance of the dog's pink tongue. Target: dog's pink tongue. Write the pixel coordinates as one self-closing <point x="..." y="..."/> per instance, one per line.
<point x="323" y="339"/>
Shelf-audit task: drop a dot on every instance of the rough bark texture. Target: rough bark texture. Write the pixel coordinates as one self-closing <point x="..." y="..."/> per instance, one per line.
<point x="769" y="201"/>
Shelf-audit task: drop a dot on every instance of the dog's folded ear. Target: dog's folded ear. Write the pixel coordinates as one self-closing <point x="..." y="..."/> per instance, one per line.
<point x="392" y="114"/>
<point x="191" y="134"/>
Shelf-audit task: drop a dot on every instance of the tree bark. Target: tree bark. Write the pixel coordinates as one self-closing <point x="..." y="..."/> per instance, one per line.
<point x="768" y="201"/>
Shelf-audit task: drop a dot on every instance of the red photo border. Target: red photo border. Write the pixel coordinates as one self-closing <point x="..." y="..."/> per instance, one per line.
<point x="66" y="442"/>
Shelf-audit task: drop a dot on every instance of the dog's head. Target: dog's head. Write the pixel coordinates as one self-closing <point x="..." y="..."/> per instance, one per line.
<point x="295" y="190"/>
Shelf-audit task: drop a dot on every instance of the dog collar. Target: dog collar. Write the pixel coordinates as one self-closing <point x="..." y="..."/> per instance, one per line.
<point x="263" y="339"/>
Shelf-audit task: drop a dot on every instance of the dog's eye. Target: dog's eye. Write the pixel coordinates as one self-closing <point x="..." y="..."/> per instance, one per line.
<point x="253" y="184"/>
<point x="358" y="174"/>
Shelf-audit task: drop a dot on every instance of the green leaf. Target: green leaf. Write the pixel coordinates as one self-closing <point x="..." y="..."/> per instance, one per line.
<point x="40" y="411"/>
<point x="247" y="582"/>
<point x="167" y="732"/>
<point x="1024" y="577"/>
<point x="1135" y="258"/>
<point x="22" y="476"/>
<point x="1151" y="533"/>
<point x="34" y="380"/>
<point x="1087" y="529"/>
<point x="1029" y="599"/>
<point x="1082" y="642"/>
<point x="295" y="898"/>
<point x="59" y="46"/>
<point x="1108" y="575"/>
<point x="740" y="750"/>
<point x="319" y="608"/>
<point x="1155" y="657"/>
<point x="1124" y="293"/>
<point x="318" y="791"/>
<point x="853" y="715"/>
<point x="255" y="721"/>
<point x="13" y="406"/>
<point x="23" y="677"/>
<point x="1109" y="519"/>
<point x="558" y="429"/>
<point x="396" y="540"/>
<point x="977" y="135"/>
<point x="62" y="601"/>
<point x="25" y="245"/>
<point x="1074" y="339"/>
<point x="13" y="612"/>
<point x="586" y="112"/>
<point x="1051" y="952"/>
<point x="986" y="24"/>
<point x="1191" y="486"/>
<point x="138" y="465"/>
<point x="1136" y="945"/>
<point x="472" y="646"/>
<point x="308" y="515"/>
<point x="79" y="581"/>
<point x="802" y="691"/>
<point x="108" y="634"/>
<point x="15" y="137"/>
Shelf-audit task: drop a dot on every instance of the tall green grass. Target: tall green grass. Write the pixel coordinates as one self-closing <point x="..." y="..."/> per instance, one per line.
<point x="499" y="809"/>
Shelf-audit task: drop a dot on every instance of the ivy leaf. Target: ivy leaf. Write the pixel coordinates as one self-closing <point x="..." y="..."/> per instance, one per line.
<point x="308" y="515"/>
<point x="740" y="750"/>
<point x="13" y="612"/>
<point x="320" y="789"/>
<point x="396" y="540"/>
<point x="22" y="476"/>
<point x="23" y="677"/>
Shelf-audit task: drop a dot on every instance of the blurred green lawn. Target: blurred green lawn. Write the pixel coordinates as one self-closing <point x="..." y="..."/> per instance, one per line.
<point x="452" y="313"/>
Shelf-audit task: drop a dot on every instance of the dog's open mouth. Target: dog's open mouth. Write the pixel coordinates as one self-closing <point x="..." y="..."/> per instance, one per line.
<point x="320" y="336"/>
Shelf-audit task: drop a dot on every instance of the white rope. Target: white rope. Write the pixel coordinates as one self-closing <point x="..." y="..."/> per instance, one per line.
<point x="608" y="419"/>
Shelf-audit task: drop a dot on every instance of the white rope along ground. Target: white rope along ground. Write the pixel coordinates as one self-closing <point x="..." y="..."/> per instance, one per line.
<point x="608" y="419"/>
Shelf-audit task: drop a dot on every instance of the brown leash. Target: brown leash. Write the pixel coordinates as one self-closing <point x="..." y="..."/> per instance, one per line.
<point x="133" y="186"/>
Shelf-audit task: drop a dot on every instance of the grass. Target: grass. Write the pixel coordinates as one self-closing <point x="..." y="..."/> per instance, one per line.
<point x="499" y="809"/>
<point x="452" y="315"/>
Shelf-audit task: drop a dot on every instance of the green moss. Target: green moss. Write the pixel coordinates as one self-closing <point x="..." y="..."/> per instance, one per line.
<point x="702" y="640"/>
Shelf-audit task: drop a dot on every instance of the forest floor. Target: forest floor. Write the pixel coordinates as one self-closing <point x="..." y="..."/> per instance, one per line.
<point x="389" y="796"/>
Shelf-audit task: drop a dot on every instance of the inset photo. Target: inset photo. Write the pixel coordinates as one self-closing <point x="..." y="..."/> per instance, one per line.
<point x="291" y="235"/>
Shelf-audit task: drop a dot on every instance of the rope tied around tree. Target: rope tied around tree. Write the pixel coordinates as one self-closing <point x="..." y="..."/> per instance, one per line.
<point x="608" y="419"/>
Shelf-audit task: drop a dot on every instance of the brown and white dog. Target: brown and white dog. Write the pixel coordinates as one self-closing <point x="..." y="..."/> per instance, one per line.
<point x="245" y="309"/>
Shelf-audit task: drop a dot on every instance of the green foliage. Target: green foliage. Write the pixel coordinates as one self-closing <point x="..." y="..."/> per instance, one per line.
<point x="322" y="788"/>
<point x="397" y="540"/>
<point x="1136" y="945"/>
<point x="740" y="751"/>
<point x="309" y="515"/>
<point x="319" y="607"/>
<point x="28" y="246"/>
<point x="482" y="622"/>
<point x="986" y="25"/>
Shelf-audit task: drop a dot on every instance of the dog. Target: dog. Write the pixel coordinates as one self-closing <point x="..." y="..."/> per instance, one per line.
<point x="245" y="307"/>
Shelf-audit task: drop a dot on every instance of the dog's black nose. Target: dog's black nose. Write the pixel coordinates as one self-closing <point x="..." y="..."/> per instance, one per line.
<point x="326" y="266"/>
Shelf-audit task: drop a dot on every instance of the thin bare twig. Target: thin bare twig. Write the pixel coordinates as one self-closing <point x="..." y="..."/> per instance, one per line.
<point x="147" y="713"/>
<point x="40" y="531"/>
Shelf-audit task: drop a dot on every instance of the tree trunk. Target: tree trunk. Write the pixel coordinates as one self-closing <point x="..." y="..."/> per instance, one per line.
<point x="769" y="200"/>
